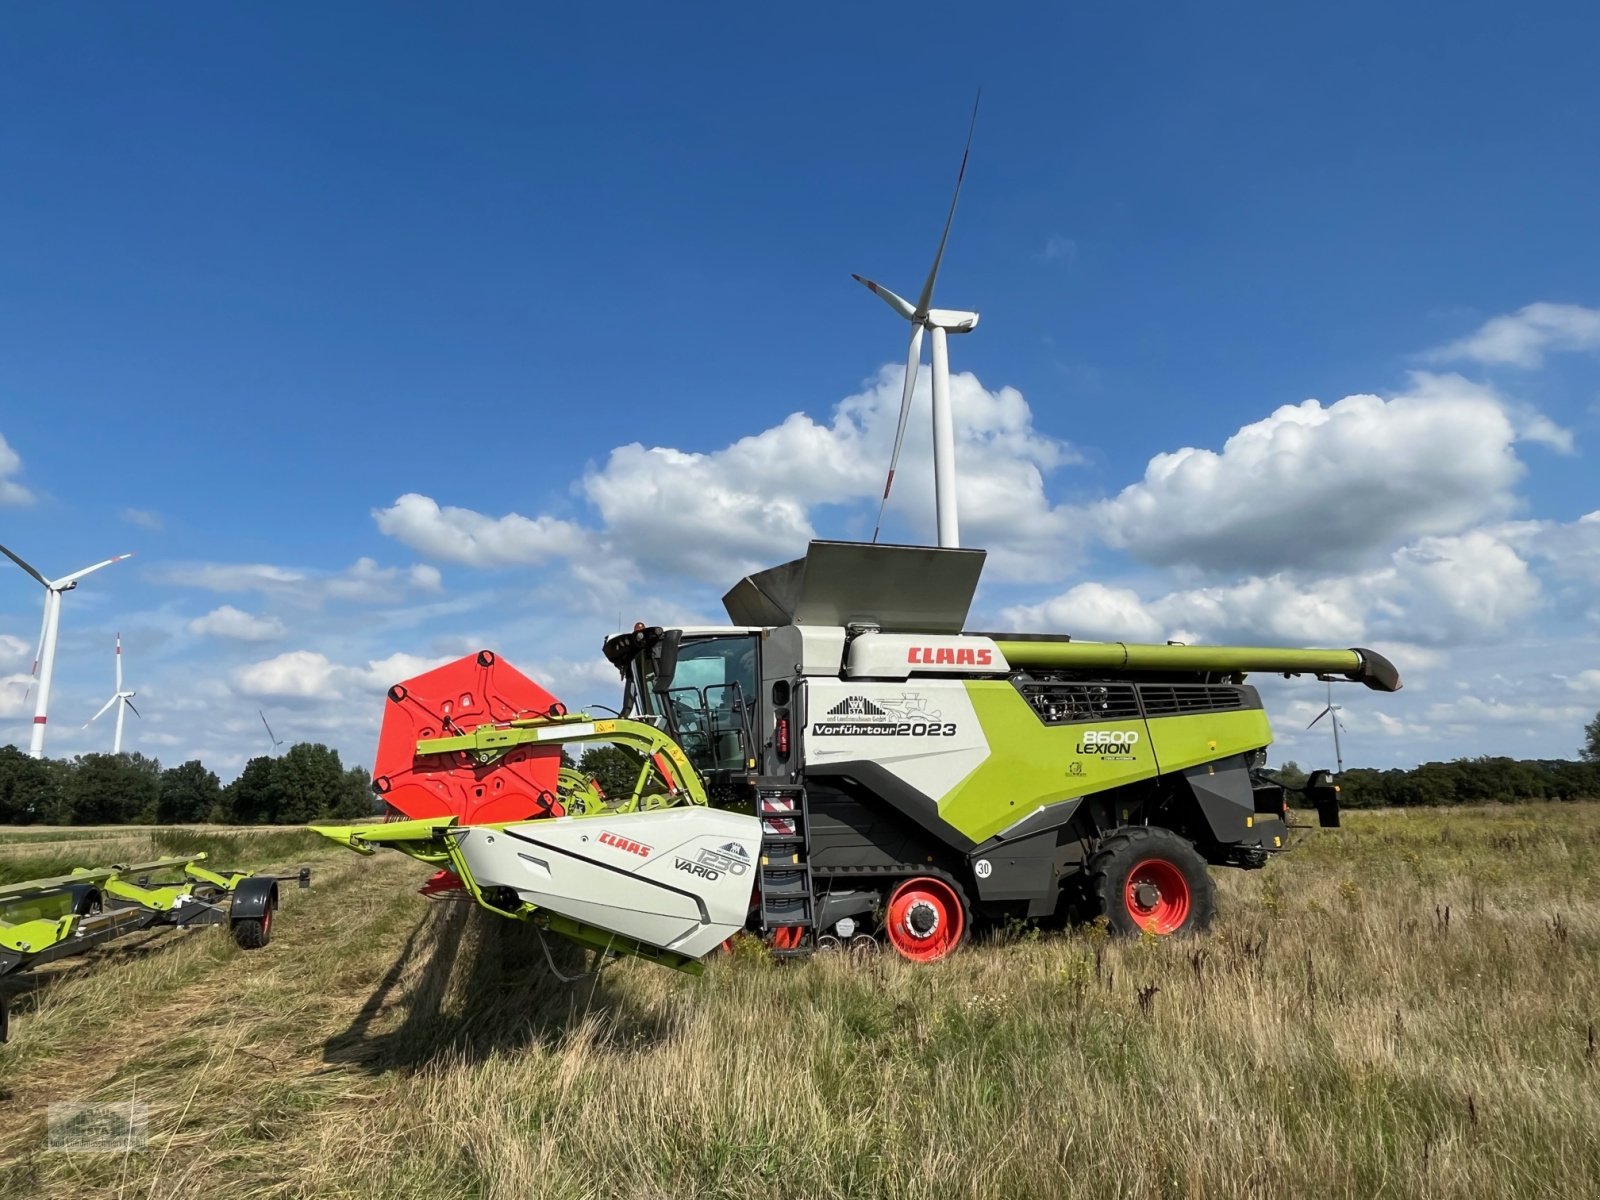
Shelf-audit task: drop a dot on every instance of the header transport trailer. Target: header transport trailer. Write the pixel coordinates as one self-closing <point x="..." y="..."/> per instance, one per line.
<point x="43" y="920"/>
<point x="845" y="764"/>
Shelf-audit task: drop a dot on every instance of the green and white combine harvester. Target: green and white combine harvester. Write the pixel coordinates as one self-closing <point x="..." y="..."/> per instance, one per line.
<point x="847" y="765"/>
<point x="43" y="920"/>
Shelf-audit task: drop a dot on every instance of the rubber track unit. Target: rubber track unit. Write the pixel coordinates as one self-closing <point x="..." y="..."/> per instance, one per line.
<point x="1105" y="876"/>
<point x="890" y="875"/>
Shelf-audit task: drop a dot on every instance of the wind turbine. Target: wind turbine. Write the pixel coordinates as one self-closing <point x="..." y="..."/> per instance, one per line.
<point x="276" y="742"/>
<point x="940" y="322"/>
<point x="1333" y="710"/>
<point x="45" y="660"/>
<point x="126" y="699"/>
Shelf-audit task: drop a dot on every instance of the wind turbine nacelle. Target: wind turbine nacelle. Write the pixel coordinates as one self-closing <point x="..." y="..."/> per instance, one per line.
<point x="951" y="321"/>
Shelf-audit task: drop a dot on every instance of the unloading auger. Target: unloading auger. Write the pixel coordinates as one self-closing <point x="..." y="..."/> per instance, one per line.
<point x="846" y="766"/>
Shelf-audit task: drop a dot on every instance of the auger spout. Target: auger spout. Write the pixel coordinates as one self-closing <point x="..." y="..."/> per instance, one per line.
<point x="1363" y="666"/>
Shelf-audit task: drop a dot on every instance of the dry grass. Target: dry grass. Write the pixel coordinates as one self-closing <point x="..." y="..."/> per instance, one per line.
<point x="1406" y="1008"/>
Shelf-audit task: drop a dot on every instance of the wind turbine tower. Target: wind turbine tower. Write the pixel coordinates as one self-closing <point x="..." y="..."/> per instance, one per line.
<point x="44" y="662"/>
<point x="123" y="700"/>
<point x="939" y="322"/>
<point x="1332" y="711"/>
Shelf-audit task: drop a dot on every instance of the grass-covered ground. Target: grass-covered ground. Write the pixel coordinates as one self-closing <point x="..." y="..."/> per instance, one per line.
<point x="1404" y="1008"/>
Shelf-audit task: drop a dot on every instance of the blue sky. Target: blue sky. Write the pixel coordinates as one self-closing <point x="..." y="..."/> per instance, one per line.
<point x="345" y="321"/>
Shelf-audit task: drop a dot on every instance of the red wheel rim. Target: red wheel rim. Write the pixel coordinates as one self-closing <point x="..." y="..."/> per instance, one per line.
<point x="786" y="937"/>
<point x="1157" y="896"/>
<point x="266" y="919"/>
<point x="925" y="921"/>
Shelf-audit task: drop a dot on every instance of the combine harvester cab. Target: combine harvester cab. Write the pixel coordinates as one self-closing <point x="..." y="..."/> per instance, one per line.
<point x="846" y="765"/>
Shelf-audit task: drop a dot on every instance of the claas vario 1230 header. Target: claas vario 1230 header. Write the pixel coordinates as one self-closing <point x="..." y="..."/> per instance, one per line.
<point x="847" y="765"/>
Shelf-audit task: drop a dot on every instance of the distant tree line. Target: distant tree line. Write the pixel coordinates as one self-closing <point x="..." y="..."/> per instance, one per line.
<point x="1464" y="781"/>
<point x="309" y="783"/>
<point x="306" y="783"/>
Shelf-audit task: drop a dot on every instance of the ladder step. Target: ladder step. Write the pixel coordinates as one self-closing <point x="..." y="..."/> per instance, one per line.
<point x="791" y="883"/>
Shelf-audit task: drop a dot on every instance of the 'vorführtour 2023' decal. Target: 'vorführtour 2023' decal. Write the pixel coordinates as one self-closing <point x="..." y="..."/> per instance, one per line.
<point x="906" y="715"/>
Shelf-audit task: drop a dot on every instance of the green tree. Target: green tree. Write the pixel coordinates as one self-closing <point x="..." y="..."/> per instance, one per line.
<point x="309" y="781"/>
<point x="251" y="799"/>
<point x="613" y="769"/>
<point x="29" y="789"/>
<point x="113" y="789"/>
<point x="1591" y="740"/>
<point x="188" y="794"/>
<point x="355" y="799"/>
<point x="1291" y="774"/>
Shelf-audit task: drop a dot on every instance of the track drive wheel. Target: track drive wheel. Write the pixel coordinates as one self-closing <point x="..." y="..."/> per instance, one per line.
<point x="1150" y="880"/>
<point x="787" y="937"/>
<point x="252" y="933"/>
<point x="925" y="919"/>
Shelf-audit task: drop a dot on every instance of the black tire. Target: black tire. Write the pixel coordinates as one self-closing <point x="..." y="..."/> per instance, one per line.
<point x="1143" y="878"/>
<point x="252" y="933"/>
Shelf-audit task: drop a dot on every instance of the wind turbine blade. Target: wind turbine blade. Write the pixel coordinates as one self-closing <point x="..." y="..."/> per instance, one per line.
<point x="263" y="717"/>
<point x="77" y="575"/>
<point x="25" y="566"/>
<point x="913" y="362"/>
<point x="926" y="298"/>
<point x="129" y="703"/>
<point x="1322" y="714"/>
<point x="119" y="662"/>
<point x="899" y="303"/>
<point x="102" y="711"/>
<point x="38" y="653"/>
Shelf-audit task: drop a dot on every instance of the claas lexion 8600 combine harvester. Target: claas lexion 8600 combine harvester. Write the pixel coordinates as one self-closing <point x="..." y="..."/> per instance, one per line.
<point x="845" y="765"/>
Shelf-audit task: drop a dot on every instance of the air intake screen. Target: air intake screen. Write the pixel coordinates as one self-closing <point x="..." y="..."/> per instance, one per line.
<point x="1071" y="703"/>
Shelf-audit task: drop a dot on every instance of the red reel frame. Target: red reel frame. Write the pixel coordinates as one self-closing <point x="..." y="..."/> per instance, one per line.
<point x="456" y="698"/>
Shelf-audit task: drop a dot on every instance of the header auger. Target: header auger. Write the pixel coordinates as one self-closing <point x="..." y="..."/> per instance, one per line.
<point x="845" y="765"/>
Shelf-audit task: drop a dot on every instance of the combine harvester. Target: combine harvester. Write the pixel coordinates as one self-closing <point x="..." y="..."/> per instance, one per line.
<point x="845" y="764"/>
<point x="42" y="920"/>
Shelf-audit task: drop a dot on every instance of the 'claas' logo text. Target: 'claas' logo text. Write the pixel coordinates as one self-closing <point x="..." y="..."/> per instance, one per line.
<point x="628" y="844"/>
<point x="955" y="656"/>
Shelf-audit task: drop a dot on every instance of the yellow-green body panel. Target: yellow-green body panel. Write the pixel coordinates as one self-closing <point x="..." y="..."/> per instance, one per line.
<point x="1031" y="764"/>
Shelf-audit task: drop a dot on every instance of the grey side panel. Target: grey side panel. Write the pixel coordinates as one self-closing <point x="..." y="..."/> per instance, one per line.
<point x="1023" y="869"/>
<point x="917" y="810"/>
<point x="1226" y="797"/>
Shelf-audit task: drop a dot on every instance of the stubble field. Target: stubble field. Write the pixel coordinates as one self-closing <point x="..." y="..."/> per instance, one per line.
<point x="1406" y="1007"/>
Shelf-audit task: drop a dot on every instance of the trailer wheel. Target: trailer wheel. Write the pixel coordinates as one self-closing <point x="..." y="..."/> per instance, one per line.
<point x="925" y="919"/>
<point x="252" y="933"/>
<point x="1150" y="880"/>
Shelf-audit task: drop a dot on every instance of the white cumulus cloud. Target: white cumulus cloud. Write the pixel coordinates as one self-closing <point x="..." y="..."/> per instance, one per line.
<point x="1522" y="338"/>
<point x="307" y="675"/>
<point x="460" y="535"/>
<point x="1437" y="591"/>
<point x="237" y="625"/>
<point x="1325" y="488"/>
<point x="715" y="514"/>
<point x="11" y="492"/>
<point x="364" y="581"/>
